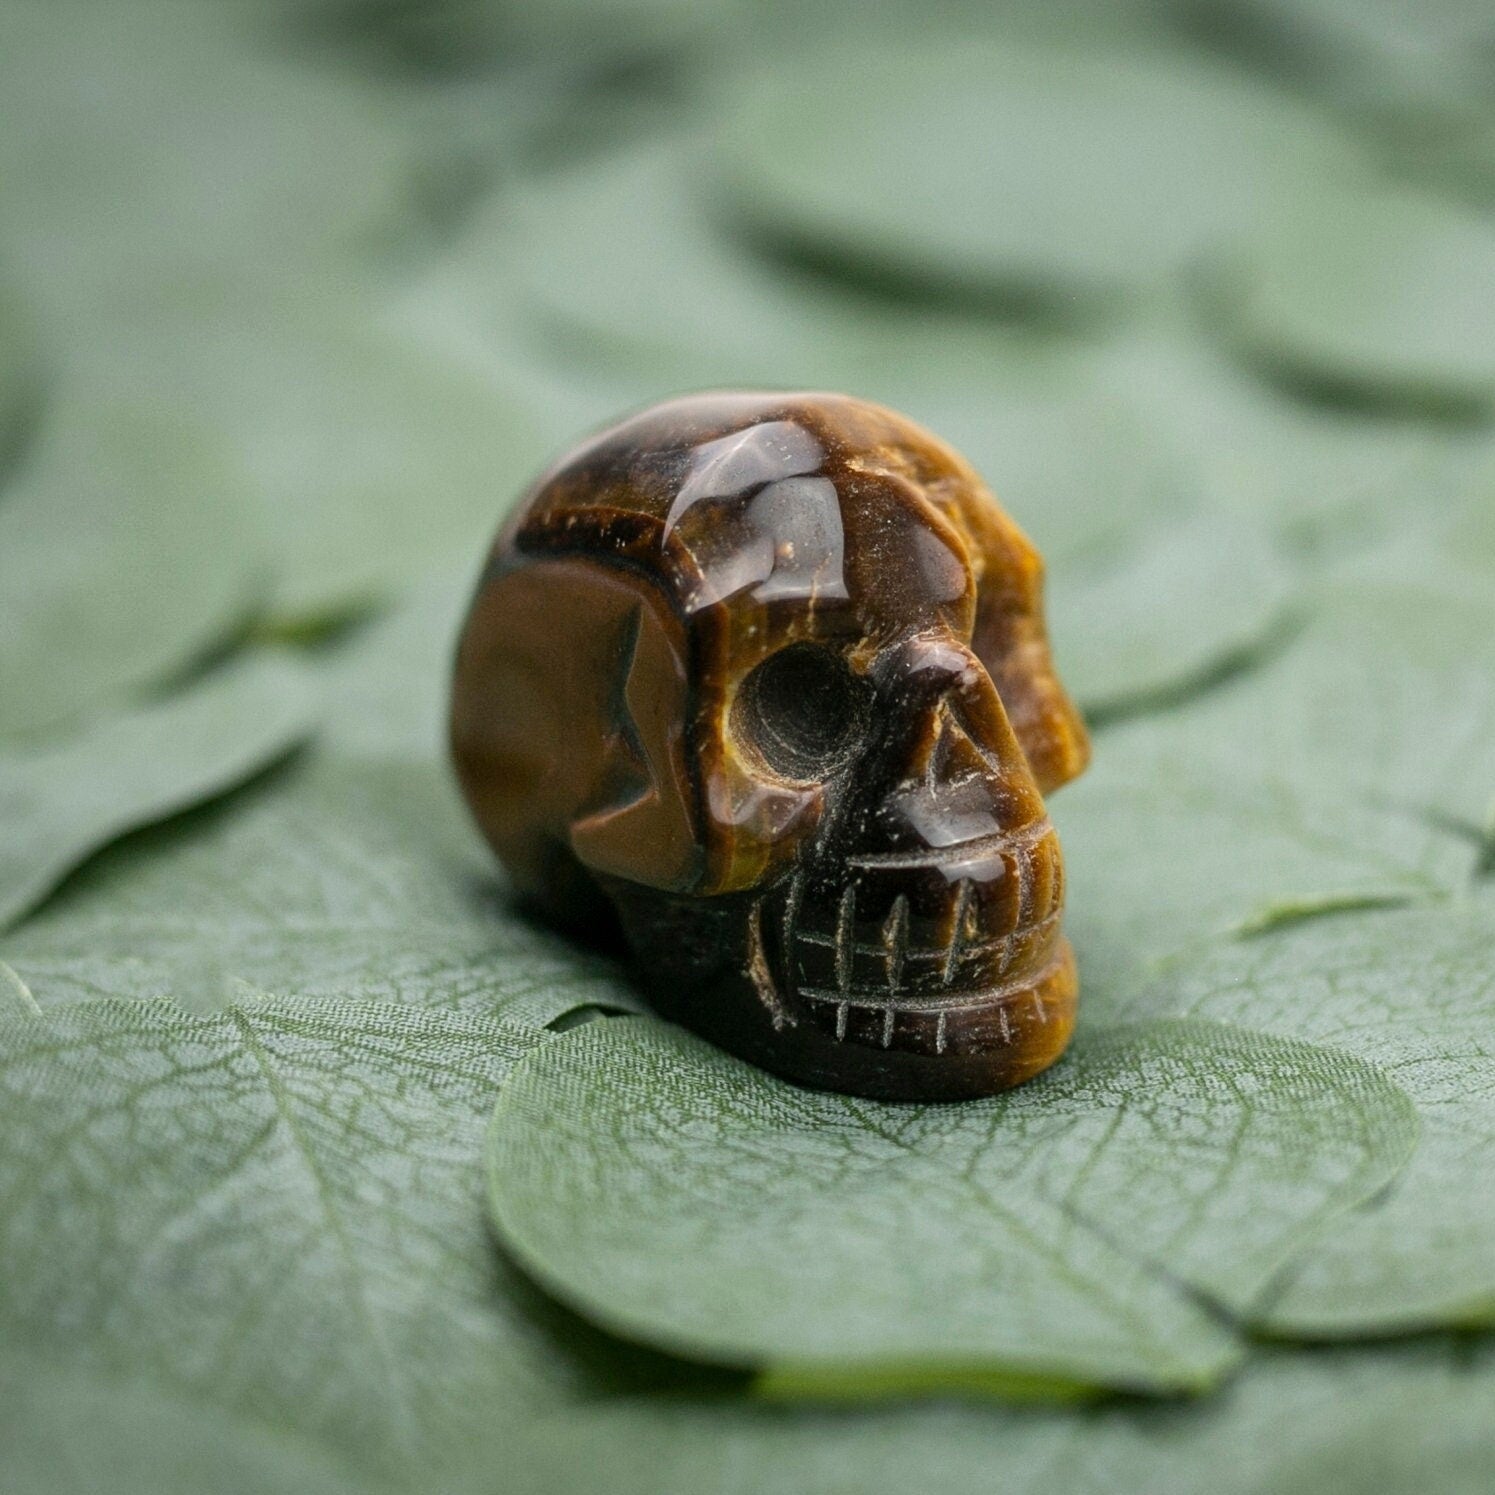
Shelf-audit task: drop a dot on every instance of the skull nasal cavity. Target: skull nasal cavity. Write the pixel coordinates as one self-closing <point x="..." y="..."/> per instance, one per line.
<point x="802" y="711"/>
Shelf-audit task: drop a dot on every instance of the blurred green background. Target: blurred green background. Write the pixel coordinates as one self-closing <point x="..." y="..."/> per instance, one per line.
<point x="295" y="298"/>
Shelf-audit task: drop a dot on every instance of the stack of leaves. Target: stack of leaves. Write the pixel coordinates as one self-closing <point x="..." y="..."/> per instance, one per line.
<point x="327" y="1168"/>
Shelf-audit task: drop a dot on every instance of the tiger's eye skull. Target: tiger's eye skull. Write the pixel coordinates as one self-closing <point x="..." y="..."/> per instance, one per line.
<point x="769" y="674"/>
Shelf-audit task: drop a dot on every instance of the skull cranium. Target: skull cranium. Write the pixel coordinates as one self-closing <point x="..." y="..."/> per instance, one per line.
<point x="769" y="672"/>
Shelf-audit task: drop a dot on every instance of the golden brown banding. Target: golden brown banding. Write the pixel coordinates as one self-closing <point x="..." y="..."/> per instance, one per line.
<point x="769" y="673"/>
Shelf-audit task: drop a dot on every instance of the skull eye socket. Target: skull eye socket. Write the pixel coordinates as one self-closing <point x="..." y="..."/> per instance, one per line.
<point x="802" y="711"/>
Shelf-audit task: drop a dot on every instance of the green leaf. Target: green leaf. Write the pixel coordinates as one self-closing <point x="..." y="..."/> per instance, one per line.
<point x="1430" y="47"/>
<point x="1400" y="1421"/>
<point x="1468" y="542"/>
<point x="1412" y="992"/>
<point x="1414" y="74"/>
<point x="127" y="551"/>
<point x="960" y="164"/>
<point x="466" y="36"/>
<point x="1330" y="477"/>
<point x="374" y="455"/>
<point x="1359" y="766"/>
<point x="156" y="163"/>
<point x="1384" y="294"/>
<point x="124" y="1434"/>
<point x="386" y="690"/>
<point x="1169" y="610"/>
<point x="842" y="1246"/>
<point x="274" y="1212"/>
<point x="62" y="801"/>
<point x="21" y="378"/>
<point x="623" y="255"/>
<point x="338" y="879"/>
<point x="1447" y="546"/>
<point x="199" y="219"/>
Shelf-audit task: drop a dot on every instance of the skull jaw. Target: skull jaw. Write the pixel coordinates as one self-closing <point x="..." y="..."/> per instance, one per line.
<point x="703" y="964"/>
<point x="992" y="1049"/>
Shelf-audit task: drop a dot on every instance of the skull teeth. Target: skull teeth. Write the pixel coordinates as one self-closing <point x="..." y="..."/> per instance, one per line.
<point x="958" y="917"/>
<point x="896" y="954"/>
<point x="916" y="1003"/>
<point x="845" y="942"/>
<point x="895" y="941"/>
<point x="930" y="1026"/>
<point x="976" y="984"/>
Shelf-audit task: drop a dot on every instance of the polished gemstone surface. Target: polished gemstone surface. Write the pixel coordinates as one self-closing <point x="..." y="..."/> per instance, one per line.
<point x="765" y="678"/>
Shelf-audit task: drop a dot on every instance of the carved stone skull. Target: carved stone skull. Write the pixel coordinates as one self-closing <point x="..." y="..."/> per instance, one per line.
<point x="768" y="674"/>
